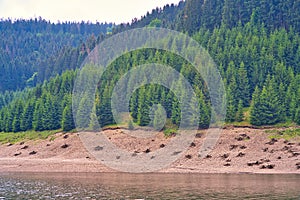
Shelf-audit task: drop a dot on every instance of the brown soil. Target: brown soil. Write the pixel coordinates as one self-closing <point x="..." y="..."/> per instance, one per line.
<point x="239" y="150"/>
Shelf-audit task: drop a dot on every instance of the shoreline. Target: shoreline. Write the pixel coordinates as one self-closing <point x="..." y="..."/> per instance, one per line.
<point x="238" y="151"/>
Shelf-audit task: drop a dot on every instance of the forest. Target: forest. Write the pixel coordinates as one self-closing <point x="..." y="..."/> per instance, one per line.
<point x="255" y="45"/>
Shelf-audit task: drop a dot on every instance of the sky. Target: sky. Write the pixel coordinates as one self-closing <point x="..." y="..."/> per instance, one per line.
<point x="117" y="11"/>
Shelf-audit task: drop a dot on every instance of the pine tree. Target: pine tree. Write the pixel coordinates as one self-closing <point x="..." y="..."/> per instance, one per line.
<point x="231" y="109"/>
<point x="67" y="122"/>
<point x="297" y="116"/>
<point x="204" y="119"/>
<point x="159" y="117"/>
<point x="16" y="124"/>
<point x="240" y="112"/>
<point x="94" y="124"/>
<point x="243" y="85"/>
<point x="38" y="116"/>
<point x="143" y="108"/>
<point x="27" y="116"/>
<point x="255" y="112"/>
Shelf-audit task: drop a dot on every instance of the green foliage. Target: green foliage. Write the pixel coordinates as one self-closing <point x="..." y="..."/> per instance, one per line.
<point x="240" y="112"/>
<point x="170" y="132"/>
<point x="286" y="134"/>
<point x="297" y="116"/>
<point x="10" y="137"/>
<point x="67" y="122"/>
<point x="266" y="108"/>
<point x="155" y="23"/>
<point x="254" y="44"/>
<point x="159" y="118"/>
<point x="36" y="50"/>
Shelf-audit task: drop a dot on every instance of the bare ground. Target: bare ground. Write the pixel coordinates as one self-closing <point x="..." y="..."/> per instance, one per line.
<point x="238" y="150"/>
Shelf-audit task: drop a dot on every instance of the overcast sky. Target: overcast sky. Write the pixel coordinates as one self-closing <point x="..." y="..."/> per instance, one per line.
<point x="77" y="10"/>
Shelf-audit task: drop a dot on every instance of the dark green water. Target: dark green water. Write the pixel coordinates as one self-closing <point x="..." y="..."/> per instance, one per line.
<point x="148" y="186"/>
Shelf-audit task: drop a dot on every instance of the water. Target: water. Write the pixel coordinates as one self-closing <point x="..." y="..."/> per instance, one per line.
<point x="147" y="186"/>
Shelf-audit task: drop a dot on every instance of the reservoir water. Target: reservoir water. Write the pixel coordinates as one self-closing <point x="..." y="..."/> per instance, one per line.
<point x="147" y="186"/>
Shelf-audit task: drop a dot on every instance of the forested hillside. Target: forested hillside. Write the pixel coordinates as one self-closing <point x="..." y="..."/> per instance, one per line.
<point x="32" y="51"/>
<point x="191" y="15"/>
<point x="255" y="44"/>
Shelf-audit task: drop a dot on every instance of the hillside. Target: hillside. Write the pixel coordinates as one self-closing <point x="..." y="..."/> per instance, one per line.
<point x="255" y="44"/>
<point x="32" y="51"/>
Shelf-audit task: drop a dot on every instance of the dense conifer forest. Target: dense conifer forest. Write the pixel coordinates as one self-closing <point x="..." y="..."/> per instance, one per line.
<point x="255" y="45"/>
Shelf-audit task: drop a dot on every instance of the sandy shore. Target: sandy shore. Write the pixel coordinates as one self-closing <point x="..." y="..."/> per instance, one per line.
<point x="239" y="150"/>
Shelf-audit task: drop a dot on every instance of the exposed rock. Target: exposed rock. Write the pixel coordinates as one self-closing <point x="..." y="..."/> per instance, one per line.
<point x="241" y="154"/>
<point x="17" y="154"/>
<point x="25" y="147"/>
<point x="65" y="146"/>
<point x="272" y="142"/>
<point x="267" y="166"/>
<point x="285" y="148"/>
<point x="233" y="146"/>
<point x="192" y="144"/>
<point x="176" y="153"/>
<point x="147" y="151"/>
<point x="32" y="153"/>
<point x="98" y="148"/>
<point x="254" y="163"/>
<point x="226" y="155"/>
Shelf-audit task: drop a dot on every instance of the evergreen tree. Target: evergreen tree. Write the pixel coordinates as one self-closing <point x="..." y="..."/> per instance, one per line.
<point x="204" y="119"/>
<point x="255" y="112"/>
<point x="16" y="124"/>
<point x="243" y="85"/>
<point x="297" y="116"/>
<point x="38" y="116"/>
<point x="67" y="122"/>
<point x="231" y="109"/>
<point x="94" y="124"/>
<point x="27" y="116"/>
<point x="240" y="112"/>
<point x="159" y="118"/>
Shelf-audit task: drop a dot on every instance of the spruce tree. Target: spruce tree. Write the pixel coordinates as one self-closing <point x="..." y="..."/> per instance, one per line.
<point x="255" y="111"/>
<point x="240" y="112"/>
<point x="67" y="122"/>
<point x="297" y="116"/>
<point x="159" y="118"/>
<point x="231" y="109"/>
<point x="38" y="116"/>
<point x="243" y="85"/>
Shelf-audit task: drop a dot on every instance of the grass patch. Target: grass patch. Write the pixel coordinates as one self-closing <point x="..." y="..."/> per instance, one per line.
<point x="170" y="132"/>
<point x="23" y="136"/>
<point x="287" y="134"/>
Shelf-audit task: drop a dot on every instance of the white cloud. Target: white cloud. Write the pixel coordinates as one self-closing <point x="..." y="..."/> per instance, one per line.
<point x="77" y="10"/>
